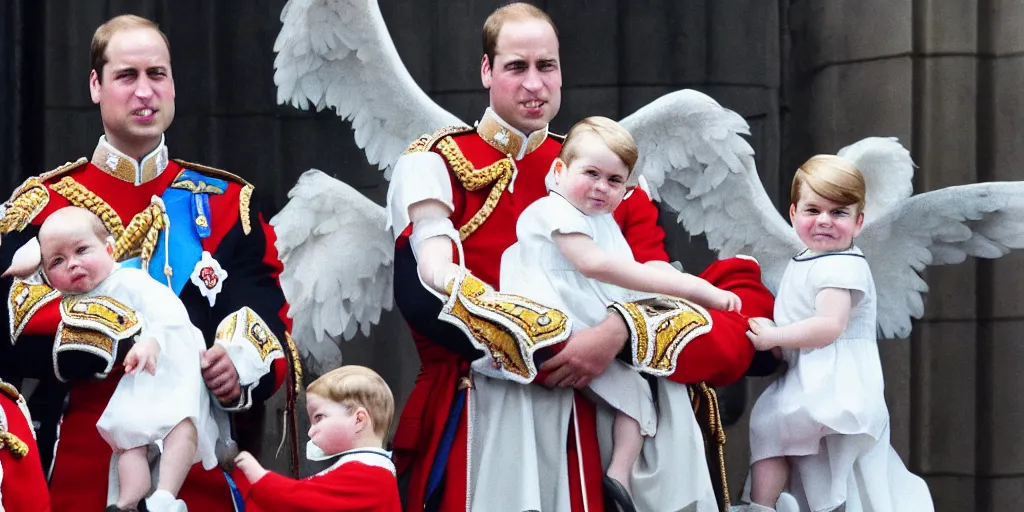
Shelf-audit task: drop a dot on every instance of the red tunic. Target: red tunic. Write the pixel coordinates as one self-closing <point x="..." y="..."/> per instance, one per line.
<point x="721" y="355"/>
<point x="79" y="477"/>
<point x="22" y="484"/>
<point x="351" y="487"/>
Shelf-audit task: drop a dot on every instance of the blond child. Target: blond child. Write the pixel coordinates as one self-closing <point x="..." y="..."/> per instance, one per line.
<point x="161" y="397"/>
<point x="821" y="432"/>
<point x="571" y="255"/>
<point x="350" y="411"/>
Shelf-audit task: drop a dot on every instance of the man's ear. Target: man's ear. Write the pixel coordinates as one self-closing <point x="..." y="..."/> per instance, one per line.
<point x="485" y="71"/>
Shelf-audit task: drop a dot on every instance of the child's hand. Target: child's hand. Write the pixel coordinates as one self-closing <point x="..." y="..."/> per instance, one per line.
<point x="726" y="301"/>
<point x="761" y="334"/>
<point x="142" y="356"/>
<point x="251" y="468"/>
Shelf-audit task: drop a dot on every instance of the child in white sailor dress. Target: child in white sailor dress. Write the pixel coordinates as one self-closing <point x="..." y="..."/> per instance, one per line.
<point x="821" y="431"/>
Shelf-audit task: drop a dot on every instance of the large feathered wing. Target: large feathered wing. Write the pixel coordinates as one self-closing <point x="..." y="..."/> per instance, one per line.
<point x="694" y="156"/>
<point x="888" y="173"/>
<point x="338" y="54"/>
<point x="337" y="258"/>
<point x="942" y="227"/>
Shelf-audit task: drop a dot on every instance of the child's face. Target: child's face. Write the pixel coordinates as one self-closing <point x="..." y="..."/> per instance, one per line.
<point x="332" y="427"/>
<point x="595" y="183"/>
<point x="824" y="225"/>
<point x="74" y="259"/>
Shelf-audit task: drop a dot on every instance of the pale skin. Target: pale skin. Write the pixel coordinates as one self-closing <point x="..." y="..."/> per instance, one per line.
<point x="334" y="428"/>
<point x="822" y="225"/>
<point x="524" y="84"/>
<point x="136" y="98"/>
<point x="76" y="259"/>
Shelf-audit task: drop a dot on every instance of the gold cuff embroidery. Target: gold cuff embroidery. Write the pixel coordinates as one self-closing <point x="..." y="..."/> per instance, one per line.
<point x="23" y="301"/>
<point x="509" y="327"/>
<point x="253" y="329"/>
<point x="101" y="314"/>
<point x="23" y="206"/>
<point x="660" y="328"/>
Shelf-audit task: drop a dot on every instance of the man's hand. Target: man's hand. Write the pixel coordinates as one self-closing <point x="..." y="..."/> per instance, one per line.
<point x="142" y="356"/>
<point x="220" y="375"/>
<point x="251" y="468"/>
<point x="587" y="354"/>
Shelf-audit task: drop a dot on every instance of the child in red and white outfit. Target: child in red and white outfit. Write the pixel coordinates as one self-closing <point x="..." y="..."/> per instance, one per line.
<point x="350" y="410"/>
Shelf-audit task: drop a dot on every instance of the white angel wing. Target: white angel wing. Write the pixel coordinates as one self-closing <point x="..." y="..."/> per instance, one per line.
<point x="888" y="172"/>
<point x="337" y="258"/>
<point x="942" y="227"/>
<point x="693" y="155"/>
<point x="338" y="54"/>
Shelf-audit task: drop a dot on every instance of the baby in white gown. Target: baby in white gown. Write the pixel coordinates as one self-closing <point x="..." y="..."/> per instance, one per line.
<point x="162" y="395"/>
<point x="571" y="255"/>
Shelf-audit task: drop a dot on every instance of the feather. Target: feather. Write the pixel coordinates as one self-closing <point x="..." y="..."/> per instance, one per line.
<point x="695" y="159"/>
<point x="888" y="172"/>
<point x="942" y="227"/>
<point x="337" y="258"/>
<point x="338" y="54"/>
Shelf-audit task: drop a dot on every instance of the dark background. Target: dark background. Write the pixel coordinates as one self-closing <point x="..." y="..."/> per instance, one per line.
<point x="809" y="76"/>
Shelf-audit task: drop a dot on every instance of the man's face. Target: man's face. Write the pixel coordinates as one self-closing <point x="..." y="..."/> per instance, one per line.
<point x="525" y="79"/>
<point x="136" y="93"/>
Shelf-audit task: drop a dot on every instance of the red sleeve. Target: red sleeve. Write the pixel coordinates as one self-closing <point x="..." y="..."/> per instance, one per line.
<point x="638" y="218"/>
<point x="351" y="487"/>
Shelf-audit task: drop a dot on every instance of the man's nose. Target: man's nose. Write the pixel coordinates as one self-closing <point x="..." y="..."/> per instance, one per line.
<point x="144" y="89"/>
<point x="532" y="81"/>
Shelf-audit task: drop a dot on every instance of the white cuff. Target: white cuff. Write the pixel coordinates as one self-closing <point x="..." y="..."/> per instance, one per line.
<point x="250" y="344"/>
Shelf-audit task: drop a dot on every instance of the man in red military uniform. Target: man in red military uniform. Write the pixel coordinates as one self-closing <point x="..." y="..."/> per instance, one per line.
<point x="194" y="228"/>
<point x="470" y="185"/>
<point x="22" y="484"/>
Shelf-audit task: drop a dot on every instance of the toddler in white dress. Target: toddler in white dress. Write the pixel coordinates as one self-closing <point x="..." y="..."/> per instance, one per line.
<point x="821" y="431"/>
<point x="162" y="395"/>
<point x="571" y="255"/>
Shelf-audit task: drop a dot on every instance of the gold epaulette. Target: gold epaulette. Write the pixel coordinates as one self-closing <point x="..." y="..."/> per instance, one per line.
<point x="244" y="196"/>
<point x="427" y="141"/>
<point x="29" y="199"/>
<point x="9" y="390"/>
<point x="213" y="171"/>
<point x="68" y="166"/>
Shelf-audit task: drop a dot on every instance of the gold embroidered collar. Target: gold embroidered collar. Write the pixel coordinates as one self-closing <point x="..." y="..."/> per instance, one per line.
<point x="124" y="167"/>
<point x="503" y="137"/>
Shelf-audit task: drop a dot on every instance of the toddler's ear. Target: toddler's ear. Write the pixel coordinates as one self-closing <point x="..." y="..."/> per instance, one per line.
<point x="26" y="260"/>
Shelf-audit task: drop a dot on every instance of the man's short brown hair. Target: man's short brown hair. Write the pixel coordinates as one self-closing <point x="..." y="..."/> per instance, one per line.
<point x="518" y="11"/>
<point x="101" y="38"/>
<point x="358" y="386"/>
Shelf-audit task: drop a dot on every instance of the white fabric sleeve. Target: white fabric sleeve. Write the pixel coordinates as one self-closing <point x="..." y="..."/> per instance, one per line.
<point x="433" y="227"/>
<point x="160" y="308"/>
<point x="416" y="177"/>
<point x="554" y="214"/>
<point x="843" y="271"/>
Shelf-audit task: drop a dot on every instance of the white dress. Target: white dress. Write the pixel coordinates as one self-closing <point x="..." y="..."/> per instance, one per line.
<point x="144" y="408"/>
<point x="827" y="413"/>
<point x="534" y="267"/>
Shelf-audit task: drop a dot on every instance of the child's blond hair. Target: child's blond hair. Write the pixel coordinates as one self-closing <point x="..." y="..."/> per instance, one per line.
<point x="356" y="386"/>
<point x="615" y="137"/>
<point x="831" y="177"/>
